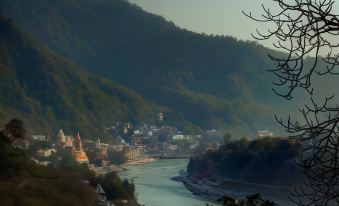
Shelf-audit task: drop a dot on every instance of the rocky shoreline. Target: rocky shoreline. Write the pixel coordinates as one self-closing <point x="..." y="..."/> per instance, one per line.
<point x="206" y="191"/>
<point x="214" y="192"/>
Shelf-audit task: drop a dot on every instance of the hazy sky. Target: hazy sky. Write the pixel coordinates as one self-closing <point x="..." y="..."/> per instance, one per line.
<point x="209" y="16"/>
<point x="212" y="16"/>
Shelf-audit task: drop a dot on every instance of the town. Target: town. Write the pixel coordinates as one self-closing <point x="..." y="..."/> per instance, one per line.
<point x="122" y="144"/>
<point x="125" y="145"/>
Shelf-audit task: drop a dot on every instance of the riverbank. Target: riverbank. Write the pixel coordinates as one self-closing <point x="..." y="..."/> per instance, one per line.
<point x="123" y="167"/>
<point x="234" y="188"/>
<point x="143" y="161"/>
<point x="210" y="192"/>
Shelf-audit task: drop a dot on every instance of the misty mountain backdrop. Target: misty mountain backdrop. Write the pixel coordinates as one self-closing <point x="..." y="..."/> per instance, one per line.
<point x="85" y="64"/>
<point x="48" y="91"/>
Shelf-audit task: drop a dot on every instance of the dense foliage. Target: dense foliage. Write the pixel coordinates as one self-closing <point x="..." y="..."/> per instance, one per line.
<point x="116" y="157"/>
<point x="24" y="182"/>
<point x="48" y="92"/>
<point x="252" y="200"/>
<point x="266" y="160"/>
<point x="198" y="81"/>
<point x="116" y="188"/>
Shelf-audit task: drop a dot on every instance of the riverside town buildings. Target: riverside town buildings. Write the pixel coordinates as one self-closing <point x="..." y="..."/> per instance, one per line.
<point x="134" y="152"/>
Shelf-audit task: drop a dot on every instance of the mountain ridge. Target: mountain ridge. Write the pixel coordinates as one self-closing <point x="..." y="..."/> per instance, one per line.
<point x="198" y="81"/>
<point x="49" y="92"/>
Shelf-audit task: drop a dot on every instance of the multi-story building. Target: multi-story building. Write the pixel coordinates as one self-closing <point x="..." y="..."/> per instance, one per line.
<point x="133" y="153"/>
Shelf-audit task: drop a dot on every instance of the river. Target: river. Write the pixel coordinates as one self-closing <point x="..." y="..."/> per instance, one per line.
<point x="154" y="187"/>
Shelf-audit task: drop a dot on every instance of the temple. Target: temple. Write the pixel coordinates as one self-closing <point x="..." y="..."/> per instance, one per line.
<point x="73" y="145"/>
<point x="78" y="152"/>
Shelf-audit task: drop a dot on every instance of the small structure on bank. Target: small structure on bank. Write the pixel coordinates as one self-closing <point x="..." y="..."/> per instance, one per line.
<point x="101" y="197"/>
<point x="100" y="193"/>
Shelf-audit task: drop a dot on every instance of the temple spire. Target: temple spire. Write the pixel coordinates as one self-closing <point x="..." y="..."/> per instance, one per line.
<point x="79" y="143"/>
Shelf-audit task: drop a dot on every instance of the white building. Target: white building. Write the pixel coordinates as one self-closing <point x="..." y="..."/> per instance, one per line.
<point x="39" y="137"/>
<point x="136" y="132"/>
<point x="181" y="137"/>
<point x="46" y="152"/>
<point x="161" y="116"/>
<point x="265" y="133"/>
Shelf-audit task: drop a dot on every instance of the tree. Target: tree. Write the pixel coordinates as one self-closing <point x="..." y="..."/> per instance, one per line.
<point x="15" y="129"/>
<point x="252" y="200"/>
<point x="227" y="138"/>
<point x="116" y="157"/>
<point x="304" y="28"/>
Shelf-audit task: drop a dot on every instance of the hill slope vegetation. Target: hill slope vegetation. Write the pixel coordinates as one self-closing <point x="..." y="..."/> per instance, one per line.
<point x="48" y="92"/>
<point x="200" y="81"/>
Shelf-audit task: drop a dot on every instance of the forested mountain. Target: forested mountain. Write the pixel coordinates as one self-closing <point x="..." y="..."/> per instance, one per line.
<point x="263" y="161"/>
<point x="48" y="92"/>
<point x="265" y="165"/>
<point x="199" y="81"/>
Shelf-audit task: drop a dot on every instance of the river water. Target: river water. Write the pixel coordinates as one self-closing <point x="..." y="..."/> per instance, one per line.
<point x="154" y="187"/>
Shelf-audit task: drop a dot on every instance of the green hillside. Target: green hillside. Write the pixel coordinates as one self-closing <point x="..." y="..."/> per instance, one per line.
<point x="200" y="81"/>
<point x="266" y="165"/>
<point x="23" y="182"/>
<point x="264" y="161"/>
<point x="48" y="92"/>
<point x="139" y="49"/>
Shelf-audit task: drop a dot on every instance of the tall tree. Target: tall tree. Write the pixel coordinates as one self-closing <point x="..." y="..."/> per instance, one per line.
<point x="304" y="28"/>
<point x="15" y="129"/>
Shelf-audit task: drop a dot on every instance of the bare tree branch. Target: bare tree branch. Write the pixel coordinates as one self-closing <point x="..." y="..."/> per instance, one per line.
<point x="306" y="28"/>
<point x="302" y="28"/>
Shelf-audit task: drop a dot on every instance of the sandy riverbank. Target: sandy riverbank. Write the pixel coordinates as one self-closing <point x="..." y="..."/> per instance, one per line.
<point x="123" y="167"/>
<point x="143" y="161"/>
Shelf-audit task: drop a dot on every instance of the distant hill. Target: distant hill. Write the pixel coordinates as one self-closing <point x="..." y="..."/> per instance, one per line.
<point x="267" y="166"/>
<point x="48" y="92"/>
<point x="199" y="81"/>
<point x="263" y="161"/>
